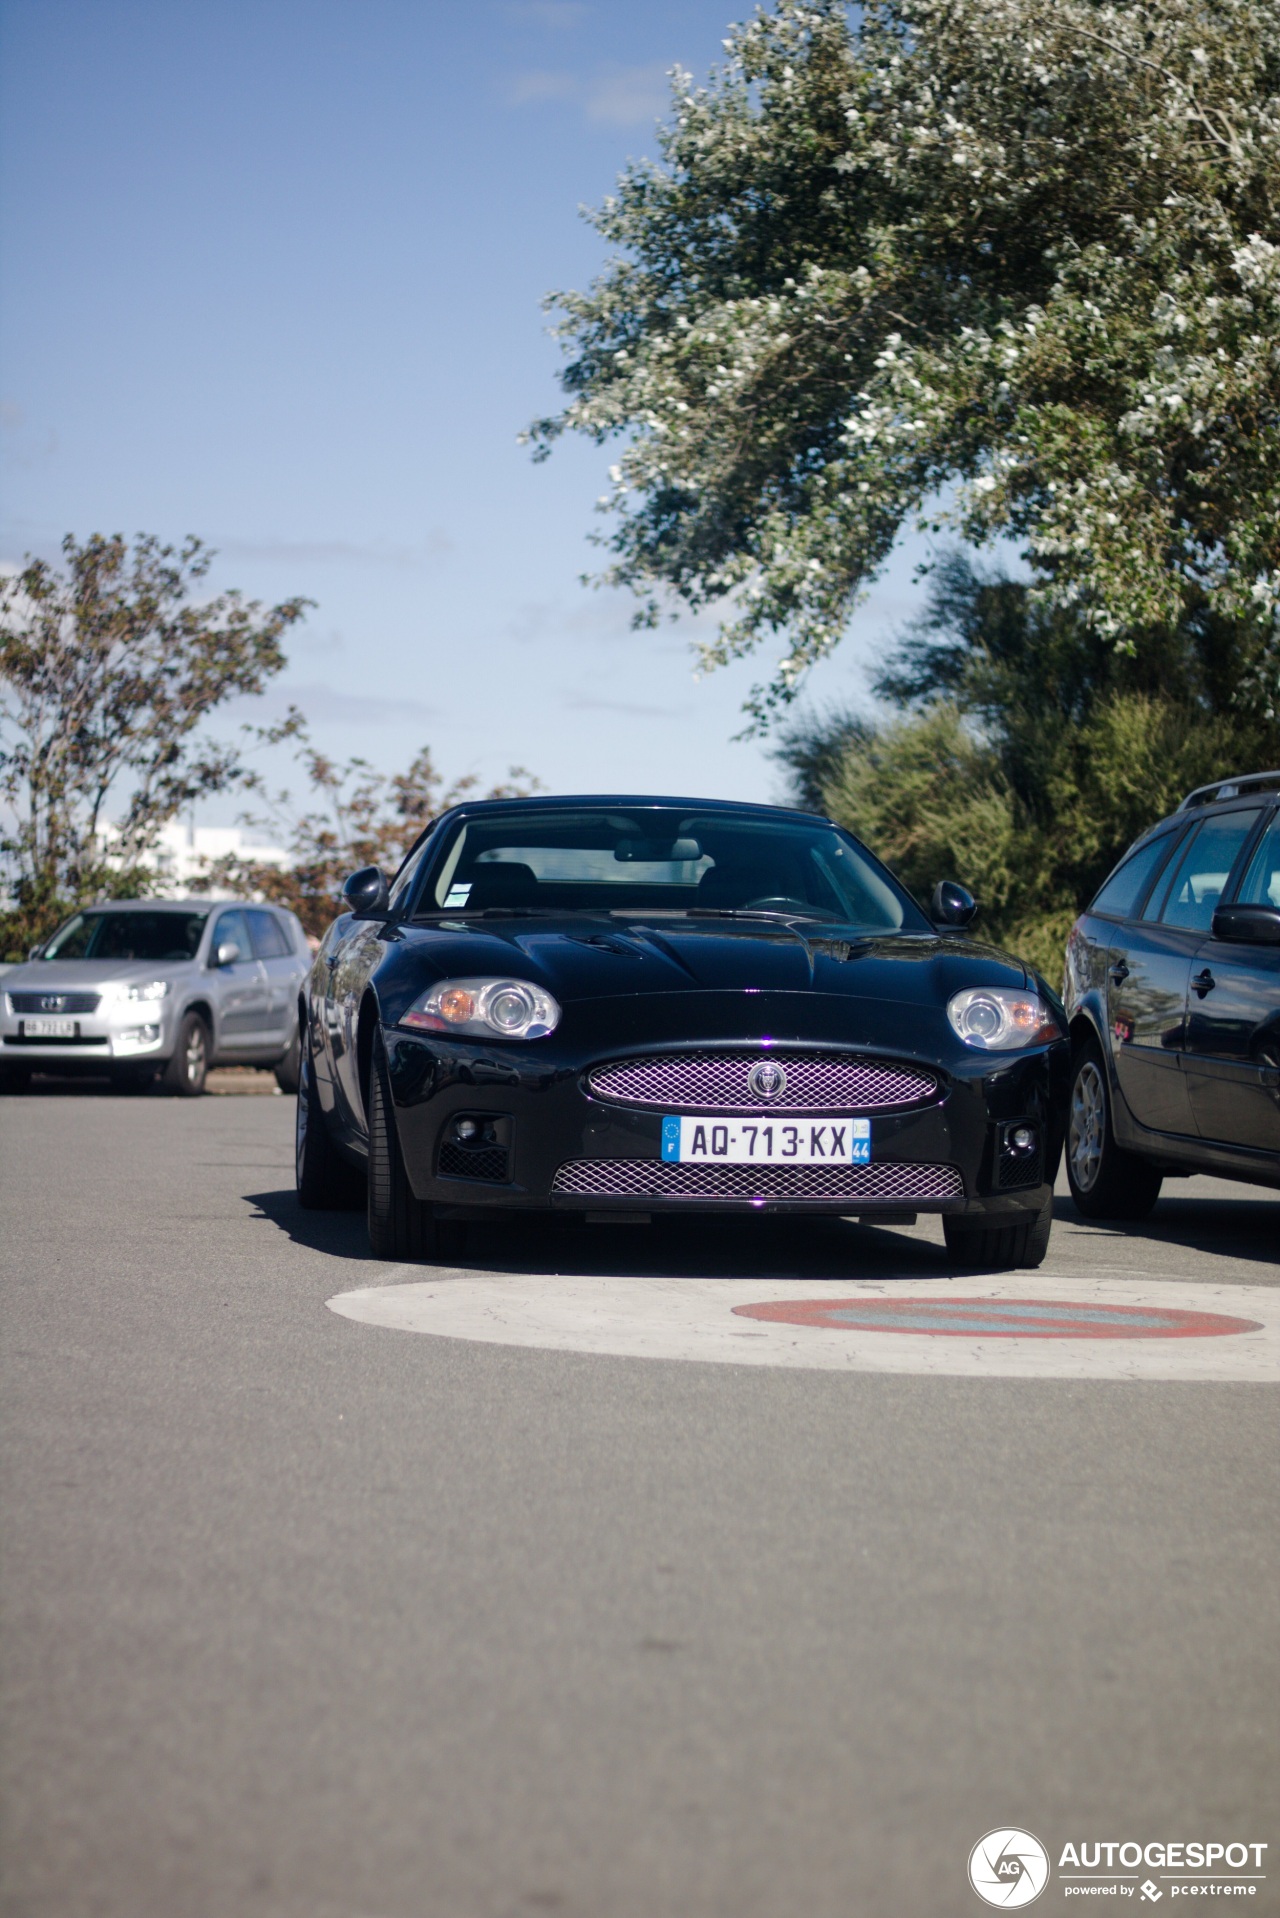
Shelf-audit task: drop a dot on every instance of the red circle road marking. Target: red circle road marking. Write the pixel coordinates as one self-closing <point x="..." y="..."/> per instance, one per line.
<point x="947" y="1318"/>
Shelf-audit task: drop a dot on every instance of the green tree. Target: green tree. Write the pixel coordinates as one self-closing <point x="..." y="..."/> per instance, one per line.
<point x="1025" y="753"/>
<point x="352" y="815"/>
<point x="1016" y="256"/>
<point x="108" y="669"/>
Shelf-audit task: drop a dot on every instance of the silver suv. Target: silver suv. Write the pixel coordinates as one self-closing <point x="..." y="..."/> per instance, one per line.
<point x="144" y="986"/>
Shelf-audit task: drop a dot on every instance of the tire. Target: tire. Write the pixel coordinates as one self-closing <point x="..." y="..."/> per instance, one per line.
<point x="1106" y="1181"/>
<point x="289" y="1070"/>
<point x="326" y="1182"/>
<point x="999" y="1248"/>
<point x="400" y="1226"/>
<point x="188" y="1069"/>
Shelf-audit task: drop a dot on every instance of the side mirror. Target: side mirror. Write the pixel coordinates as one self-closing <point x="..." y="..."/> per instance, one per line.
<point x="33" y="952"/>
<point x="1248" y="925"/>
<point x="366" y="892"/>
<point x="951" y="908"/>
<point x="227" y="954"/>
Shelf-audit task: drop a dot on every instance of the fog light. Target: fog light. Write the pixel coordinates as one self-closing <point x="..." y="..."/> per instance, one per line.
<point x="1022" y="1138"/>
<point x="466" y="1129"/>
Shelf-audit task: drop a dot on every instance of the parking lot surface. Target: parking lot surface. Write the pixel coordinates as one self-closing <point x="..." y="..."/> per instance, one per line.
<point x="308" y="1615"/>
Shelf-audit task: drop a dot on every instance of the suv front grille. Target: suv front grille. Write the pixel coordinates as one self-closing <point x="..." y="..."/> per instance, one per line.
<point x="34" y="1002"/>
<point x="661" y="1179"/>
<point x="717" y="1082"/>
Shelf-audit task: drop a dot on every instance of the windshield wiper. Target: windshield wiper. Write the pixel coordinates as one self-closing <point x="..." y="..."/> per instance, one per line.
<point x="759" y="912"/>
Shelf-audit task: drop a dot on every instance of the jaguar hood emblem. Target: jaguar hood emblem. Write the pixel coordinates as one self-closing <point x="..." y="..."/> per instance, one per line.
<point x="767" y="1080"/>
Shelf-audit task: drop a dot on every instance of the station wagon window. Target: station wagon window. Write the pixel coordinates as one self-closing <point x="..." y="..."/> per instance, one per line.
<point x="230" y="931"/>
<point x="158" y="936"/>
<point x="1262" y="881"/>
<point x="659" y="859"/>
<point x="1120" y="897"/>
<point x="1201" y="874"/>
<point x="268" y="935"/>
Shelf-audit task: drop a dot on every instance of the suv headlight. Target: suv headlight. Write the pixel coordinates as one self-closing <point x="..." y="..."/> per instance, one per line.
<point x="152" y="989"/>
<point x="998" y="1019"/>
<point x="489" y="1008"/>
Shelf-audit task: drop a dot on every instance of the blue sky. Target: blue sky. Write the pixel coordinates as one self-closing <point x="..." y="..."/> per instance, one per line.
<point x="273" y="276"/>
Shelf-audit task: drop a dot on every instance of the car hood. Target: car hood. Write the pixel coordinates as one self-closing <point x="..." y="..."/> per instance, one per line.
<point x="87" y="975"/>
<point x="577" y="960"/>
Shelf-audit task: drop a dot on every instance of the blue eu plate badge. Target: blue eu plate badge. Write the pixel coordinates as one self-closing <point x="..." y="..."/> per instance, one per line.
<point x="862" y="1142"/>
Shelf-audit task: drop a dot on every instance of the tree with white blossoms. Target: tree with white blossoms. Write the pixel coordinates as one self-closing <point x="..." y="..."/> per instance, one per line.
<point x="1008" y="264"/>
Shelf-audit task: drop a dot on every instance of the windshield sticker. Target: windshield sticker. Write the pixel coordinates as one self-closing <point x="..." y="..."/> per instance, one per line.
<point x="458" y="896"/>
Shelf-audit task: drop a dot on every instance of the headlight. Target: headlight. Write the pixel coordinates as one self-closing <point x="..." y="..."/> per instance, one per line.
<point x="153" y="989"/>
<point x="491" y="1008"/>
<point x="997" y="1019"/>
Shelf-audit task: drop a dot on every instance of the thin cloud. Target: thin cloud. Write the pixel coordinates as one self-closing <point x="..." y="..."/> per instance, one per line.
<point x="557" y="16"/>
<point x="327" y="705"/>
<point x="580" y="703"/>
<point x="628" y="96"/>
<point x="304" y="552"/>
<point x="612" y="96"/>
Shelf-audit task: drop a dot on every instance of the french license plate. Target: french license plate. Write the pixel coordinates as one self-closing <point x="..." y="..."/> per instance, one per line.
<point x="48" y="1028"/>
<point x="768" y="1141"/>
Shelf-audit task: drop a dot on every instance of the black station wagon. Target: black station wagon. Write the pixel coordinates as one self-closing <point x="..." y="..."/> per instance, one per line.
<point x="1173" y="994"/>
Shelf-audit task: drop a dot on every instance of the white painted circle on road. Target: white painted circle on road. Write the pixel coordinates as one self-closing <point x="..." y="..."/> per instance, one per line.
<point x="774" y="1322"/>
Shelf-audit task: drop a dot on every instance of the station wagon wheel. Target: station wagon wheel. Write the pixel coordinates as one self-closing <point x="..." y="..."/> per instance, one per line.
<point x="187" y="1070"/>
<point x="1087" y="1127"/>
<point x="1106" y="1181"/>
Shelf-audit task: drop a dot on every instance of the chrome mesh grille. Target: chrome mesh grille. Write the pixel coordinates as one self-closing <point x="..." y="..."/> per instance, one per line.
<point x="67" y="1001"/>
<point x="717" y="1082"/>
<point x="661" y="1179"/>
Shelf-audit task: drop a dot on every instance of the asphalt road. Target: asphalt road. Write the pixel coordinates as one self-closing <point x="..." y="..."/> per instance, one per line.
<point x="304" y="1618"/>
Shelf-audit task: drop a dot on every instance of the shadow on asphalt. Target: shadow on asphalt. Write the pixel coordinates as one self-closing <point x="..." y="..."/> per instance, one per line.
<point x="1243" y="1228"/>
<point x="696" y="1247"/>
<point x="707" y="1247"/>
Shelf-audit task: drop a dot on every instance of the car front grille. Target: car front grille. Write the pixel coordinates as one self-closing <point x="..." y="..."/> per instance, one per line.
<point x="34" y="1002"/>
<point x="891" y="1180"/>
<point x="717" y="1082"/>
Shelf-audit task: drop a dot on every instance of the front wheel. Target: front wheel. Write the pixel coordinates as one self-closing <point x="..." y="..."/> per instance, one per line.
<point x="1020" y="1242"/>
<point x="188" y="1069"/>
<point x="1106" y="1181"/>
<point x="400" y="1225"/>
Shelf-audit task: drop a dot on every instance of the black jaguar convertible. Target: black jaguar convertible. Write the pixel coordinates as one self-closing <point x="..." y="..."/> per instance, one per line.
<point x="625" y="1007"/>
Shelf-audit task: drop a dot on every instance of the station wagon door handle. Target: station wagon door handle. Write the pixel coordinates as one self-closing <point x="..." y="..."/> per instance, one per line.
<point x="1203" y="982"/>
<point x="1119" y="973"/>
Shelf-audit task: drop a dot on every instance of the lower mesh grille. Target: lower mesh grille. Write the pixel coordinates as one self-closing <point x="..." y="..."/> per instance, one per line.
<point x="660" y="1179"/>
<point x="473" y="1162"/>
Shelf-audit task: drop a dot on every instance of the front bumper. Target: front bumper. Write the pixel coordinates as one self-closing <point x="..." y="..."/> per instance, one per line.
<point x="118" y="1033"/>
<point x="546" y="1142"/>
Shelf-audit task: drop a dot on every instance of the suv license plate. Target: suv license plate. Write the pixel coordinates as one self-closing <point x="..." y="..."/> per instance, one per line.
<point x="49" y="1029"/>
<point x="767" y="1141"/>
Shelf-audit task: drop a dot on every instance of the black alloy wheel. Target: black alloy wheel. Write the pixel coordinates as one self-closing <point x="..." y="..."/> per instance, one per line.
<point x="188" y="1069"/>
<point x="326" y="1181"/>
<point x="999" y="1248"/>
<point x="1106" y="1181"/>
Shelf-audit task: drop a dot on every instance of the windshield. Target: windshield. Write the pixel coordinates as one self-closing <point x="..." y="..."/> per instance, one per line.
<point x="128" y="935"/>
<point x="659" y="860"/>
